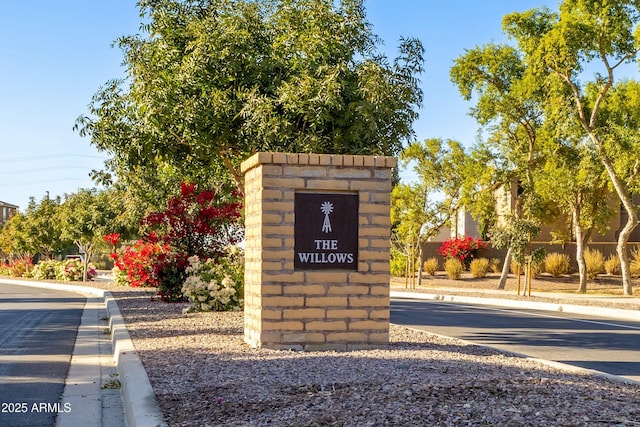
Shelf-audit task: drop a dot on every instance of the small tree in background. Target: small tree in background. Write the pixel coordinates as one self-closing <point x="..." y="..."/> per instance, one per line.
<point x="516" y="234"/>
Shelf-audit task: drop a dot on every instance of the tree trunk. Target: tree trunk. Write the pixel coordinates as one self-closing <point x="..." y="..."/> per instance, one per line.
<point x="621" y="248"/>
<point x="505" y="270"/>
<point x="420" y="263"/>
<point x="581" y="240"/>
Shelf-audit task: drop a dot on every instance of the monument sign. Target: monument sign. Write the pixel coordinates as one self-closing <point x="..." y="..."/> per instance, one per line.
<point x="326" y="231"/>
<point x="317" y="251"/>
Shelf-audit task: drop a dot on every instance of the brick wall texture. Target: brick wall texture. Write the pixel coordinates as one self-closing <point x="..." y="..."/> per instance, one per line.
<point x="315" y="310"/>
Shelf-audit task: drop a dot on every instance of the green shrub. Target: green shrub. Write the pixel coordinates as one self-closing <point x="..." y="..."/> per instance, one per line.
<point x="453" y="267"/>
<point x="612" y="265"/>
<point x="430" y="266"/>
<point x="398" y="265"/>
<point x="45" y="270"/>
<point x="556" y="264"/>
<point x="479" y="267"/>
<point x="595" y="262"/>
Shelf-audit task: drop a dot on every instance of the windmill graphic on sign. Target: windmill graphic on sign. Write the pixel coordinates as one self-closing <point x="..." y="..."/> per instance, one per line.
<point x="326" y="208"/>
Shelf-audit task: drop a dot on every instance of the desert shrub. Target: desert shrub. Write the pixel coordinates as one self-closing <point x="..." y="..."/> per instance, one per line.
<point x="119" y="277"/>
<point x="634" y="264"/>
<point x="430" y="266"/>
<point x="556" y="264"/>
<point x="71" y="270"/>
<point x="20" y="267"/>
<point x="595" y="262"/>
<point x="513" y="267"/>
<point x="453" y="267"/>
<point x="612" y="265"/>
<point x="479" y="267"/>
<point x="494" y="265"/>
<point x="45" y="270"/>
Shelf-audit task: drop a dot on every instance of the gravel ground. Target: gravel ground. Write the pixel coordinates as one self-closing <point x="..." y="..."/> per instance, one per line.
<point x="204" y="375"/>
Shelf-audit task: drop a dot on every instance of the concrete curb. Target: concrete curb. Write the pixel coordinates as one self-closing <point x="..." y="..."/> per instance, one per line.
<point x="140" y="406"/>
<point x="613" y="313"/>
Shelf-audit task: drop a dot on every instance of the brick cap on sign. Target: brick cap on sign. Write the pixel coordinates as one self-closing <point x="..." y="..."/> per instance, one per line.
<point x="263" y="158"/>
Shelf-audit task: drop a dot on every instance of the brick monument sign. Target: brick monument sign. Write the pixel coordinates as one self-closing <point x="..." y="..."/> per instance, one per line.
<point x="317" y="251"/>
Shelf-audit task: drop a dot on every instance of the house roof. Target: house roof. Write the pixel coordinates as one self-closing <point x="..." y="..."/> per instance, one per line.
<point x="9" y="205"/>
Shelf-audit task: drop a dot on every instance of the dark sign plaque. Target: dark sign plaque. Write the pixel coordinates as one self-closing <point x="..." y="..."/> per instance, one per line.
<point x="326" y="231"/>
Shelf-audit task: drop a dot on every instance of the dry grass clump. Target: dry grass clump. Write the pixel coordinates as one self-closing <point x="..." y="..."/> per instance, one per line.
<point x="634" y="265"/>
<point x="612" y="265"/>
<point x="556" y="264"/>
<point x="479" y="267"/>
<point x="595" y="262"/>
<point x="453" y="267"/>
<point x="430" y="266"/>
<point x="494" y="265"/>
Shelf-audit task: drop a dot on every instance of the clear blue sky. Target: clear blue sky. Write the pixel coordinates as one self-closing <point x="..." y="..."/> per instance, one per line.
<point x="54" y="55"/>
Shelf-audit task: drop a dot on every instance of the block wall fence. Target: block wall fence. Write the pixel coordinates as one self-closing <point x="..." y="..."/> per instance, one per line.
<point x="329" y="309"/>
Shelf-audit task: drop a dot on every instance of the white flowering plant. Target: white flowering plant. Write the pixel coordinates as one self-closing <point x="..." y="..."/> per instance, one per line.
<point x="214" y="284"/>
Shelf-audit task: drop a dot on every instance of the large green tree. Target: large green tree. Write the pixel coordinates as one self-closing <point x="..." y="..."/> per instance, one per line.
<point x="211" y="81"/>
<point x="574" y="181"/>
<point x="559" y="47"/>
<point x="508" y="107"/>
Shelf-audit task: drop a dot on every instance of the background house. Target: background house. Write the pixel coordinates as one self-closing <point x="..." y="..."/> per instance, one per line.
<point x="505" y="203"/>
<point x="7" y="210"/>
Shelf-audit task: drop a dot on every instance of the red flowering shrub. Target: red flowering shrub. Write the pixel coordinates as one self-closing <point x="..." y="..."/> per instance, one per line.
<point x="139" y="262"/>
<point x="113" y="239"/>
<point x="195" y="223"/>
<point x="463" y="248"/>
<point x="20" y="267"/>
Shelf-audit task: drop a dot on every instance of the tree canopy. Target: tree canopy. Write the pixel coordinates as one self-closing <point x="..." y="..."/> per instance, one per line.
<point x="211" y="81"/>
<point x="559" y="47"/>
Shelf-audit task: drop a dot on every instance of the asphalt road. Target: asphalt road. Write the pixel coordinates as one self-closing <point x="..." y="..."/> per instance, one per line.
<point x="609" y="346"/>
<point x="38" y="328"/>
